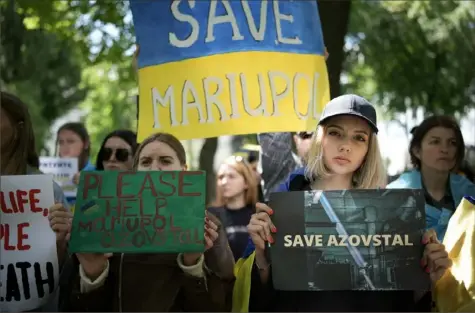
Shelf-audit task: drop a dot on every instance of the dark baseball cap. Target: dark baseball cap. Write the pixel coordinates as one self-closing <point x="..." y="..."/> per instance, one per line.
<point x="350" y="105"/>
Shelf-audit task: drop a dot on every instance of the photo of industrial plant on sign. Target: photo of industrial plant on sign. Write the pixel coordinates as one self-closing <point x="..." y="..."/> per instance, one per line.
<point x="348" y="240"/>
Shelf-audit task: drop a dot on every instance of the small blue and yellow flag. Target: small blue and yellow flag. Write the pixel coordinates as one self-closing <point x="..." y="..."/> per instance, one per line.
<point x="243" y="274"/>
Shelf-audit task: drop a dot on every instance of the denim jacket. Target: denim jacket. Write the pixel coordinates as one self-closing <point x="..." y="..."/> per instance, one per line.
<point x="438" y="219"/>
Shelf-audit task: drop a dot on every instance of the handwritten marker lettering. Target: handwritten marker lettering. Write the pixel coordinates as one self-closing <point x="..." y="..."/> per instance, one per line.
<point x="150" y="211"/>
<point x="204" y="48"/>
<point x="29" y="270"/>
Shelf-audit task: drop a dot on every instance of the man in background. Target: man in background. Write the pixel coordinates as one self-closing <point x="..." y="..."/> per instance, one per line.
<point x="277" y="159"/>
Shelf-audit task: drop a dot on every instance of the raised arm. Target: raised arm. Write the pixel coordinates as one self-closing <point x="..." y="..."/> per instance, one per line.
<point x="276" y="159"/>
<point x="220" y="259"/>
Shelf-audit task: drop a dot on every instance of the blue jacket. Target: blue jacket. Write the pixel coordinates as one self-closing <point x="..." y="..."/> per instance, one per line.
<point x="435" y="218"/>
<point x="297" y="174"/>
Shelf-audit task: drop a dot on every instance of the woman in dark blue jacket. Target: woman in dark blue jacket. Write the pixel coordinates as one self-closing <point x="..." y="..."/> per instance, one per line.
<point x="344" y="155"/>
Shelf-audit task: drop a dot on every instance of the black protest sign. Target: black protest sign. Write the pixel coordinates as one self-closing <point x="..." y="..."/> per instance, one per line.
<point x="348" y="240"/>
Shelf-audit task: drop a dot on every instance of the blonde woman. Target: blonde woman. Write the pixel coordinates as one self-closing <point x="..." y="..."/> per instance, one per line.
<point x="344" y="154"/>
<point x="236" y="197"/>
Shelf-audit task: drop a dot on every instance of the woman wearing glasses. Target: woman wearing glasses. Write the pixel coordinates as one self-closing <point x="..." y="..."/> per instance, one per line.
<point x="117" y="151"/>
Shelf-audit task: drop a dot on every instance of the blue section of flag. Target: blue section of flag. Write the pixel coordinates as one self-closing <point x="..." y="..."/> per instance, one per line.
<point x="155" y="20"/>
<point x="249" y="248"/>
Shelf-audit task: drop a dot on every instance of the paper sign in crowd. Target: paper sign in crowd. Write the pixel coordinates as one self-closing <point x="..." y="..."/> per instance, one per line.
<point x="211" y="68"/>
<point x="139" y="212"/>
<point x="349" y="240"/>
<point x="63" y="170"/>
<point x="28" y="257"/>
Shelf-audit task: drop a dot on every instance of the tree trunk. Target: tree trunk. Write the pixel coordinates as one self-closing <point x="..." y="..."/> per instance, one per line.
<point x="208" y="150"/>
<point x="334" y="16"/>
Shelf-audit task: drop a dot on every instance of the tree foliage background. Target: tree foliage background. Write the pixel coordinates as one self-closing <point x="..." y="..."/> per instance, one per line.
<point x="403" y="55"/>
<point x="60" y="55"/>
<point x="413" y="54"/>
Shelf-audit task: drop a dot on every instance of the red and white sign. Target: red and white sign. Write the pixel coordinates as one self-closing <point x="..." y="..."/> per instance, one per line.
<point x="29" y="270"/>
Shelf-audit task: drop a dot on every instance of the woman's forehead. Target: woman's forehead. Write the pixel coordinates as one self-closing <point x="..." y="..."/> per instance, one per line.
<point x="441" y="133"/>
<point x="116" y="142"/>
<point x="227" y="168"/>
<point x="67" y="133"/>
<point x="349" y="123"/>
<point x="158" y="148"/>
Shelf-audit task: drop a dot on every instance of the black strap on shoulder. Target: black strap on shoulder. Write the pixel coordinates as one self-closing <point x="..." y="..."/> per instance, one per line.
<point x="299" y="183"/>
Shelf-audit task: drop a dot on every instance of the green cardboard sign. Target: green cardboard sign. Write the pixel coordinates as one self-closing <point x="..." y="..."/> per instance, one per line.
<point x="139" y="212"/>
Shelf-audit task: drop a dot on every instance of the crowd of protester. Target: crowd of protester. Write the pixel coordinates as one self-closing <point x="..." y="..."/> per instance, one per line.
<point x="342" y="153"/>
<point x="234" y="273"/>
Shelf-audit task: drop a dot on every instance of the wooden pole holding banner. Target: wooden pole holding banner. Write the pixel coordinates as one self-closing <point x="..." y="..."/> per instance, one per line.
<point x="335" y="17"/>
<point x="138" y="108"/>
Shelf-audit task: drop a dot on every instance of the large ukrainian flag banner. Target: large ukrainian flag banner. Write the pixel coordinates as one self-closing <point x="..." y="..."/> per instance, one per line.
<point x="211" y="68"/>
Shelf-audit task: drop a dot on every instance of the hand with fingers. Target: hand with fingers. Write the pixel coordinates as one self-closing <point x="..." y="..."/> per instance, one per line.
<point x="260" y="229"/>
<point x="211" y="234"/>
<point x="76" y="178"/>
<point x="219" y="257"/>
<point x="93" y="264"/>
<point x="435" y="259"/>
<point x="60" y="220"/>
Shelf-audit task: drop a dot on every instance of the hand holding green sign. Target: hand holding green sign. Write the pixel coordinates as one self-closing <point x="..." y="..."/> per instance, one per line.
<point x="139" y="212"/>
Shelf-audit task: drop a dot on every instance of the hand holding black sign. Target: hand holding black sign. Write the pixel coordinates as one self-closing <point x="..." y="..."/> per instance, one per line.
<point x="435" y="259"/>
<point x="260" y="228"/>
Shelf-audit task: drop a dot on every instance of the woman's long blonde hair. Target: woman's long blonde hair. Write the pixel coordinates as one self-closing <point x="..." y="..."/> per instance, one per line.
<point x="370" y="175"/>
<point x="245" y="170"/>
